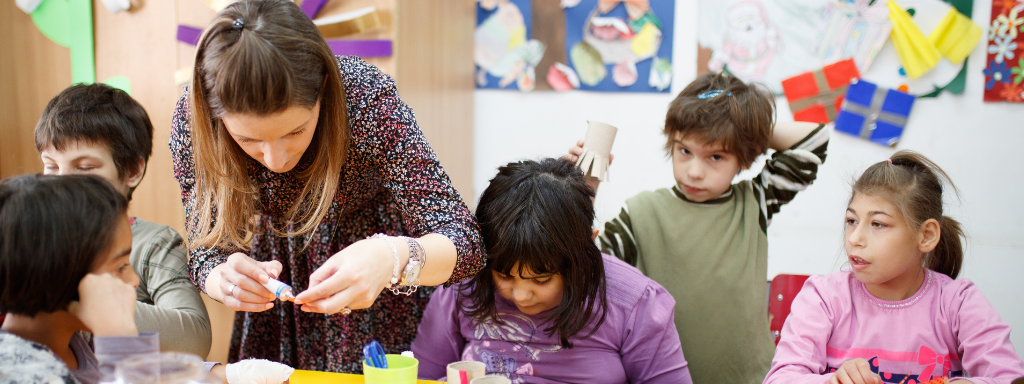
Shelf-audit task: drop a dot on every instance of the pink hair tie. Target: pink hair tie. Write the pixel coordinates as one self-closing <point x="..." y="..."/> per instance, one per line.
<point x="889" y="160"/>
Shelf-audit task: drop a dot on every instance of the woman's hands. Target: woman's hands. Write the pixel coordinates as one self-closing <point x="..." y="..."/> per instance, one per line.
<point x="238" y="283"/>
<point x="354" y="277"/>
<point x="856" y="371"/>
<point x="106" y="305"/>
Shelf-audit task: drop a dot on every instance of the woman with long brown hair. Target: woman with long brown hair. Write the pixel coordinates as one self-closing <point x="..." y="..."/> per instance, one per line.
<point x="299" y="165"/>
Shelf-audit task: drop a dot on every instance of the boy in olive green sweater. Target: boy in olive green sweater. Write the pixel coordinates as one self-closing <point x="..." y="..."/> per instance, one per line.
<point x="96" y="129"/>
<point x="705" y="239"/>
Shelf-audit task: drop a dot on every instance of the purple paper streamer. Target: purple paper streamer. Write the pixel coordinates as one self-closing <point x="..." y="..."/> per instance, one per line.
<point x="312" y="7"/>
<point x="189" y="35"/>
<point x="361" y="48"/>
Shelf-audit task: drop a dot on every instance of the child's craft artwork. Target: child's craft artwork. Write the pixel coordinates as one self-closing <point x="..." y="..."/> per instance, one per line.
<point x="504" y="55"/>
<point x="69" y="24"/>
<point x="597" y="149"/>
<point x="927" y="48"/>
<point x="816" y="96"/>
<point x="618" y="45"/>
<point x="762" y="41"/>
<point x="874" y="113"/>
<point x="1004" y="72"/>
<point x="917" y="46"/>
<point x="856" y="29"/>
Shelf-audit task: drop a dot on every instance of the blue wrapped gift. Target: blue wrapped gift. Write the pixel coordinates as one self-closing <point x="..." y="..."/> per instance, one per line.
<point x="874" y="113"/>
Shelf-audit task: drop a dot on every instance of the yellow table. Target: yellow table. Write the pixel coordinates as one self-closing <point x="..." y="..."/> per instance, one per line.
<point x="314" y="377"/>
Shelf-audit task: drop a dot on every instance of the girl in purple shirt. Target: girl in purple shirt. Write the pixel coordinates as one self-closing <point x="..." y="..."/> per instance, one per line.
<point x="900" y="315"/>
<point x="549" y="307"/>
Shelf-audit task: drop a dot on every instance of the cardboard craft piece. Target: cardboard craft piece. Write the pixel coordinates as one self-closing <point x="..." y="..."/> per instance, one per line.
<point x="955" y="36"/>
<point x="349" y="23"/>
<point x="917" y="54"/>
<point x="874" y="113"/>
<point x="473" y="369"/>
<point x="816" y="96"/>
<point x="597" y="147"/>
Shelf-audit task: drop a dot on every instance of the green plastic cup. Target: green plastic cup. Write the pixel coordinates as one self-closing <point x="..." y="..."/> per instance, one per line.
<point x="401" y="370"/>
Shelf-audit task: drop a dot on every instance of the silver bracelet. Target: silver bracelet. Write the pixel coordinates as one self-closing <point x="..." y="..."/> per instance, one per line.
<point x="422" y="253"/>
<point x="394" y="275"/>
<point x="407" y="284"/>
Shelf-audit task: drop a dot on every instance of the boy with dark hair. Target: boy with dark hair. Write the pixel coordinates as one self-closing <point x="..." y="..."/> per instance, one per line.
<point x="705" y="239"/>
<point x="100" y="130"/>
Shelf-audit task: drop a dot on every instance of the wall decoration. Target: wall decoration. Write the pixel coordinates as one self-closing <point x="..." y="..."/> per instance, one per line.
<point x="762" y="41"/>
<point x="69" y="24"/>
<point x="874" y="113"/>
<point x="770" y="40"/>
<point x="613" y="44"/>
<point x="935" y="19"/>
<point x="816" y="96"/>
<point x="1004" y="72"/>
<point x="504" y="55"/>
<point x="856" y="30"/>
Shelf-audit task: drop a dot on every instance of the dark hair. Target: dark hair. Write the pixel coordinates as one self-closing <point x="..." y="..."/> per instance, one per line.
<point x="52" y="229"/>
<point x="740" y="117"/>
<point x="539" y="215"/>
<point x="261" y="57"/>
<point x="913" y="184"/>
<point x="101" y="114"/>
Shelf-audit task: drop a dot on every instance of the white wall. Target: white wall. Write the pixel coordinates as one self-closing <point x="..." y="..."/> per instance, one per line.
<point x="977" y="143"/>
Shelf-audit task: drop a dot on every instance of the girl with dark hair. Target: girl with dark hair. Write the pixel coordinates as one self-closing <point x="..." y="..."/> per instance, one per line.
<point x="64" y="270"/>
<point x="900" y="315"/>
<point x="549" y="307"/>
<point x="289" y="159"/>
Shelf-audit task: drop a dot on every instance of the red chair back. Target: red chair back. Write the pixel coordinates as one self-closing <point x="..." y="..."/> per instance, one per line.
<point x="780" y="296"/>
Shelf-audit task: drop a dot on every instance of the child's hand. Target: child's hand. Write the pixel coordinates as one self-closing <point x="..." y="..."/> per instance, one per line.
<point x="856" y="371"/>
<point x="106" y="305"/>
<point x="576" y="151"/>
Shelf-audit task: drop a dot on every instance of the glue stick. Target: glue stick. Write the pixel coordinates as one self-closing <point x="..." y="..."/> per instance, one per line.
<point x="281" y="290"/>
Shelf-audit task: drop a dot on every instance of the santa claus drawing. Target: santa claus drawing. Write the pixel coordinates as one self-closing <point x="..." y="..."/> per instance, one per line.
<point x="750" y="43"/>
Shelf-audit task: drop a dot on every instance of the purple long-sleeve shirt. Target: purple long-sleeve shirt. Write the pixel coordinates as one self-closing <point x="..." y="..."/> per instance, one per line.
<point x="637" y="343"/>
<point x="947" y="328"/>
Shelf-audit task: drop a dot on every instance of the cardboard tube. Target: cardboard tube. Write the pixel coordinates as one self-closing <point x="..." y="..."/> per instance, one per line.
<point x="597" y="148"/>
<point x="491" y="380"/>
<point x="473" y="369"/>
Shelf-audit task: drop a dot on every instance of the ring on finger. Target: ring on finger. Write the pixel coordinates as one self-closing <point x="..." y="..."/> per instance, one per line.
<point x="346" y="311"/>
<point x="231" y="291"/>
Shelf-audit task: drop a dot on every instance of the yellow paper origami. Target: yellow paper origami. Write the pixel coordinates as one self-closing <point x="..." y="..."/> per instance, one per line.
<point x="917" y="54"/>
<point x="955" y="36"/>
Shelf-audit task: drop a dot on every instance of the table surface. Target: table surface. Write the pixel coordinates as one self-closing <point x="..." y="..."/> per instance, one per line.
<point x="313" y="377"/>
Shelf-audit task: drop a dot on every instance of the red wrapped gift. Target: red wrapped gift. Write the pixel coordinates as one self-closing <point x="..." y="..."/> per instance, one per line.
<point x="816" y="96"/>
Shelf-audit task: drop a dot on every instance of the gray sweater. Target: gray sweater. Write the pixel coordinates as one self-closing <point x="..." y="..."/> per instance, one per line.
<point x="168" y="303"/>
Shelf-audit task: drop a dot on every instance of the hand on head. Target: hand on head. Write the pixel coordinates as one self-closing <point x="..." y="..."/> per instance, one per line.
<point x="106" y="305"/>
<point x="238" y="283"/>
<point x="575" y="151"/>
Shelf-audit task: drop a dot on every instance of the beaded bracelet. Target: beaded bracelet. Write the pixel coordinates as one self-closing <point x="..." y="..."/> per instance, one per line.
<point x="394" y="275"/>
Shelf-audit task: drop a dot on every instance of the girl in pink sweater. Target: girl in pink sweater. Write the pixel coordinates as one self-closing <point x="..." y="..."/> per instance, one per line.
<point x="899" y="315"/>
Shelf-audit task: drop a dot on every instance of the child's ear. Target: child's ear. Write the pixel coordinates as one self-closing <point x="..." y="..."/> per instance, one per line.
<point x="594" y="232"/>
<point x="929" y="235"/>
<point x="135" y="174"/>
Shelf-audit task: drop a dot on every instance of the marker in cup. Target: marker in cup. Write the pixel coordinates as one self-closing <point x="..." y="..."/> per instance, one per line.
<point x="281" y="290"/>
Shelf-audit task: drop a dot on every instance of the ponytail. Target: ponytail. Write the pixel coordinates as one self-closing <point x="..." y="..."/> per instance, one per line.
<point x="948" y="255"/>
<point x="913" y="184"/>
